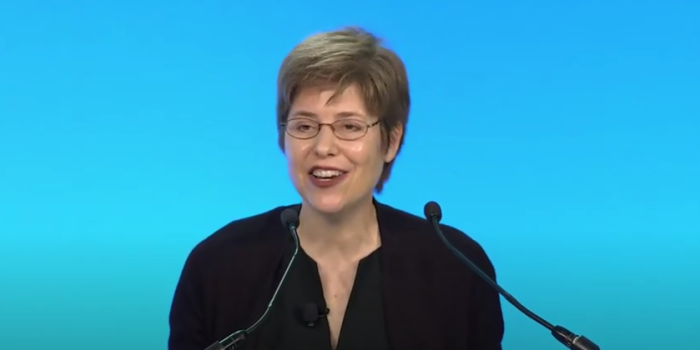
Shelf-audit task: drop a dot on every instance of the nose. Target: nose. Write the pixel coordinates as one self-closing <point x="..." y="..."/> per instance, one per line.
<point x="326" y="142"/>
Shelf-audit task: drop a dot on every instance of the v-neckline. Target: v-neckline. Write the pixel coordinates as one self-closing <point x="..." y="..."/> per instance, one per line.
<point x="361" y="271"/>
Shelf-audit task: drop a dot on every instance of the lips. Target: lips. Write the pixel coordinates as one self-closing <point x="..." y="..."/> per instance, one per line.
<point x="326" y="177"/>
<point x="326" y="172"/>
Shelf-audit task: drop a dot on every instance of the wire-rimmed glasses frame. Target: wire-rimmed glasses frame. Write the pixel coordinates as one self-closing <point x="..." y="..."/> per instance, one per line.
<point x="354" y="129"/>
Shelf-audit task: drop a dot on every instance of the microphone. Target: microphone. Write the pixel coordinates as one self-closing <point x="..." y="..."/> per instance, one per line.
<point x="290" y="220"/>
<point x="433" y="213"/>
<point x="312" y="312"/>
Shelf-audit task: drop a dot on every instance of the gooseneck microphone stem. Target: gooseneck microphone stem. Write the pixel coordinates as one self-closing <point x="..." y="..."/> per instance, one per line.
<point x="488" y="280"/>
<point x="290" y="219"/>
<point x="571" y="340"/>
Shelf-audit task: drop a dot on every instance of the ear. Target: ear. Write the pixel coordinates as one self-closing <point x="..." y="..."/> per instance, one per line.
<point x="394" y="143"/>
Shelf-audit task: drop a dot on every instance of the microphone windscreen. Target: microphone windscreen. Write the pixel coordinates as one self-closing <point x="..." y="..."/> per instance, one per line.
<point x="432" y="209"/>
<point x="290" y="217"/>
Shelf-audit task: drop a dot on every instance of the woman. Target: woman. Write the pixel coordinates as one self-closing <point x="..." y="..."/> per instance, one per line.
<point x="380" y="277"/>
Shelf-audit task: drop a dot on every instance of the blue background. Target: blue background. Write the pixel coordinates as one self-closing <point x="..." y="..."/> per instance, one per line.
<point x="562" y="135"/>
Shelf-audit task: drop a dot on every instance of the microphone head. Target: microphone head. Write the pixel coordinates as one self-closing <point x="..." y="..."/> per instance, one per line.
<point x="432" y="209"/>
<point x="310" y="313"/>
<point x="290" y="218"/>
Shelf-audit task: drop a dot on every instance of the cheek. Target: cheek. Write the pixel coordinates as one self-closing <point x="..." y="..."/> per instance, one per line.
<point x="367" y="155"/>
<point x="295" y="152"/>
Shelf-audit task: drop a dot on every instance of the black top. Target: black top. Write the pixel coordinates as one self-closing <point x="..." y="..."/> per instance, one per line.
<point x="363" y="324"/>
<point x="430" y="300"/>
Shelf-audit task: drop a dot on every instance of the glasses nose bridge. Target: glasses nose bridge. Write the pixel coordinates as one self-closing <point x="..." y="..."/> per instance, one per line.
<point x="331" y="127"/>
<point x="325" y="144"/>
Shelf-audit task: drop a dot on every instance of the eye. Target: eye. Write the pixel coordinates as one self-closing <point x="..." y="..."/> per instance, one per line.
<point x="352" y="125"/>
<point x="303" y="125"/>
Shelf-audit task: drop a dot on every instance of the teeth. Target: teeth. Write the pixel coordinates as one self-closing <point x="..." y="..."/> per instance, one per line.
<point x="326" y="173"/>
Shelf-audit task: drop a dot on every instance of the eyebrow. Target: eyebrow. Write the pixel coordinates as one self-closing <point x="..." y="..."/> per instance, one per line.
<point x="341" y="115"/>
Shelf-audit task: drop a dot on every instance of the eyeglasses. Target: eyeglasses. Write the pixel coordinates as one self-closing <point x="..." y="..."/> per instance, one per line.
<point x="344" y="129"/>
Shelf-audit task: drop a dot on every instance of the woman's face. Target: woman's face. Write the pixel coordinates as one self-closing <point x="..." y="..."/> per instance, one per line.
<point x="329" y="172"/>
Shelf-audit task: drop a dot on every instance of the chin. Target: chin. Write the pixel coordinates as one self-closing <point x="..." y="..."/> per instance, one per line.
<point x="326" y="203"/>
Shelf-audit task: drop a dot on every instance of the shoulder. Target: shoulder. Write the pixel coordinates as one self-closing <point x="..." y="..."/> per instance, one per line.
<point x="239" y="235"/>
<point x="418" y="234"/>
<point x="239" y="253"/>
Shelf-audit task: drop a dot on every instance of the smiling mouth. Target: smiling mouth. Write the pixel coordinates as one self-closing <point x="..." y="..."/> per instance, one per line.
<point x="327" y="174"/>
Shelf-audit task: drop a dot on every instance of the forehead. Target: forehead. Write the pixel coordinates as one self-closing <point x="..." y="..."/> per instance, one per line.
<point x="321" y="101"/>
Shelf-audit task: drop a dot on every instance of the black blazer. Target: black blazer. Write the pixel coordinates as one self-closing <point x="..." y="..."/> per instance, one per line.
<point x="431" y="300"/>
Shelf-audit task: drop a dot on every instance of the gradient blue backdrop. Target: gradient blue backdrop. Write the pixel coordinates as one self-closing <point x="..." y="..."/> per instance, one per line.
<point x="562" y="135"/>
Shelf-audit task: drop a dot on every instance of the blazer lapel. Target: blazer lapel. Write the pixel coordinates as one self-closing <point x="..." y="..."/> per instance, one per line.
<point x="401" y="284"/>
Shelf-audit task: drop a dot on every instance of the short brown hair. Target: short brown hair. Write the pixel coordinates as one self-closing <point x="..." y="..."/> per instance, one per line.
<point x="342" y="58"/>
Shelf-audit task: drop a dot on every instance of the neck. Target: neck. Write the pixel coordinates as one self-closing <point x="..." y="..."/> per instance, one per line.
<point x="346" y="234"/>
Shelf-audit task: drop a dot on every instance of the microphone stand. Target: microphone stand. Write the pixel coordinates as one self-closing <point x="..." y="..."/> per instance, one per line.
<point x="232" y="342"/>
<point x="290" y="219"/>
<point x="571" y="340"/>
